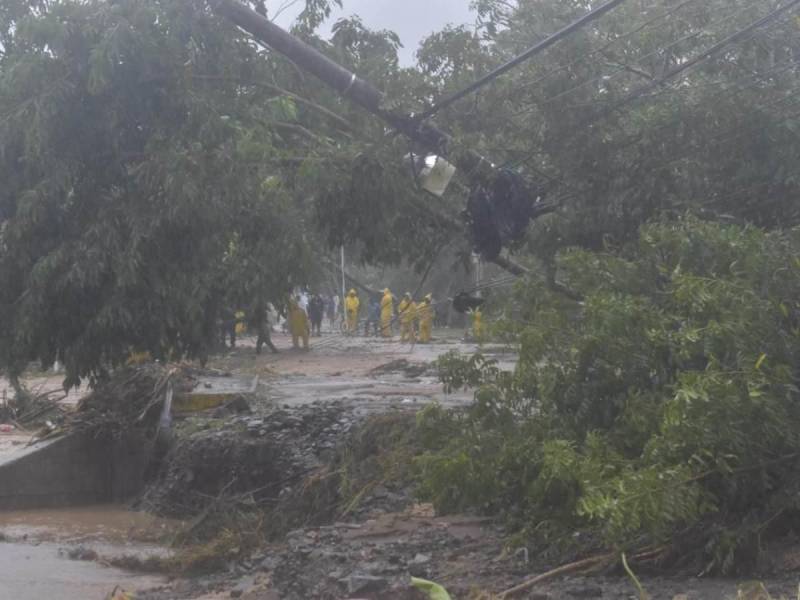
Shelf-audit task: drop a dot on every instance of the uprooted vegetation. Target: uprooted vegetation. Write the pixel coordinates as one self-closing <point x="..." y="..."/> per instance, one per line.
<point x="661" y="413"/>
<point x="248" y="481"/>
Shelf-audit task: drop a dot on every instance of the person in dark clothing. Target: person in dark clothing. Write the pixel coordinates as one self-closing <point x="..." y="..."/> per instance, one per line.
<point x="228" y="326"/>
<point x="331" y="305"/>
<point x="316" y="310"/>
<point x="373" y="316"/>
<point x="259" y="321"/>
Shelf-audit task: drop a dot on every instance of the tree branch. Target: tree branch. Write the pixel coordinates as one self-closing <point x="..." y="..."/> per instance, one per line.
<point x="279" y="90"/>
<point x="554" y="285"/>
<point x="509" y="265"/>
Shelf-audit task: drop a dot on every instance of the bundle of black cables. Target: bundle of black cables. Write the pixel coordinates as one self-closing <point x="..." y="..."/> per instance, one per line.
<point x="499" y="210"/>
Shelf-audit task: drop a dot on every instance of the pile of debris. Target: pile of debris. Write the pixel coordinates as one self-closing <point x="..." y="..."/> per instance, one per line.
<point x="134" y="397"/>
<point x="28" y="410"/>
<point x="378" y="557"/>
<point x="410" y="369"/>
<point x="245" y="460"/>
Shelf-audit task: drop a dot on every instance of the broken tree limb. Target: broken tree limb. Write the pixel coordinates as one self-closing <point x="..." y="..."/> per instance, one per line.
<point x="510" y="266"/>
<point x="580" y="565"/>
<point x="427" y="272"/>
<point x="554" y="285"/>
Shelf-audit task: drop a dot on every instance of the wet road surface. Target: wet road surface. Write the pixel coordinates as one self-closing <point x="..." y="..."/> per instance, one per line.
<point x="33" y="560"/>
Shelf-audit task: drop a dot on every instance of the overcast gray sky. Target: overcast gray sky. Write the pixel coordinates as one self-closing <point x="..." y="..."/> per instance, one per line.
<point x="412" y="20"/>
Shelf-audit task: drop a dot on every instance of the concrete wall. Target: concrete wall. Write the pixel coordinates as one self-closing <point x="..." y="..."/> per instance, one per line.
<point x="72" y="470"/>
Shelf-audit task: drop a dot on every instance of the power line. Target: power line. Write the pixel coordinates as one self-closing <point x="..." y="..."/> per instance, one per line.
<point x="728" y="136"/>
<point x="584" y="123"/>
<point x="536" y="49"/>
<point x="734" y="86"/>
<point x="734" y="38"/>
<point x="711" y="52"/>
<point x="608" y="45"/>
<point x="622" y="69"/>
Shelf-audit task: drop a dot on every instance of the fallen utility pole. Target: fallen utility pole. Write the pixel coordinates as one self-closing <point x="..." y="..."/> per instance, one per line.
<point x="348" y="84"/>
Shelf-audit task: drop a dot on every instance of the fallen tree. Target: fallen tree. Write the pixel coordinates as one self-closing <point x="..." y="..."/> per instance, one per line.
<point x="662" y="410"/>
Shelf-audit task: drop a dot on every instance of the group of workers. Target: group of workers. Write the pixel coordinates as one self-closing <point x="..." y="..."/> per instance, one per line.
<point x="415" y="318"/>
<point x="305" y="312"/>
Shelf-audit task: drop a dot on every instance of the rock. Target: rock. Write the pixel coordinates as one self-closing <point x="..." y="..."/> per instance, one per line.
<point x="421" y="559"/>
<point x="81" y="553"/>
<point x="239" y="405"/>
<point x="269" y="563"/>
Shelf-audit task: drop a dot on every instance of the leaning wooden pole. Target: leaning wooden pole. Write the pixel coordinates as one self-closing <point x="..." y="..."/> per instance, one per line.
<point x="349" y="85"/>
<point x="363" y="93"/>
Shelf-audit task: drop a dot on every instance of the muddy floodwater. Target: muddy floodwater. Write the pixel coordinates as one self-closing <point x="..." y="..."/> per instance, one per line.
<point x="33" y="572"/>
<point x="35" y="562"/>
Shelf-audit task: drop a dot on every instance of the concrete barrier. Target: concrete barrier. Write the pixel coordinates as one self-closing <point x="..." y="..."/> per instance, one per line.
<point x="72" y="470"/>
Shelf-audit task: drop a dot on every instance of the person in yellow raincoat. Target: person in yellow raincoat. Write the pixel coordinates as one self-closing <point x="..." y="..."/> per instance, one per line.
<point x="477" y="324"/>
<point x="387" y="312"/>
<point x="425" y="319"/>
<point x="240" y="327"/>
<point x="298" y="324"/>
<point x="351" y="304"/>
<point x="407" y="311"/>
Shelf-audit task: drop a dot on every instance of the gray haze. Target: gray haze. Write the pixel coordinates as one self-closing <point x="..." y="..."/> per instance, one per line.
<point x="412" y="20"/>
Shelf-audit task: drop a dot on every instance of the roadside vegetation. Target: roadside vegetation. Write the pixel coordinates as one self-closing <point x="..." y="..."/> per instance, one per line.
<point x="661" y="411"/>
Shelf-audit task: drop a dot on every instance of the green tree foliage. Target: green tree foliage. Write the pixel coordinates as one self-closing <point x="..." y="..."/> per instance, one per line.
<point x="134" y="166"/>
<point x="666" y="402"/>
<point x="160" y="168"/>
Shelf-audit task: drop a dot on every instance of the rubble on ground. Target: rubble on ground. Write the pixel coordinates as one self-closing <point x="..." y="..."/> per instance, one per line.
<point x="250" y="458"/>
<point x="408" y="368"/>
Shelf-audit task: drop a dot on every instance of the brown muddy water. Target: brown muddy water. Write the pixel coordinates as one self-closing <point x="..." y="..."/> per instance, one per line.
<point x="34" y="562"/>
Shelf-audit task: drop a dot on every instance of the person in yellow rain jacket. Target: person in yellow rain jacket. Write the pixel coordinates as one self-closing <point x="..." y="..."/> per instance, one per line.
<point x="240" y="327"/>
<point x="425" y="319"/>
<point x="298" y="324"/>
<point x="407" y="311"/>
<point x="351" y="304"/>
<point x="387" y="312"/>
<point x="477" y="324"/>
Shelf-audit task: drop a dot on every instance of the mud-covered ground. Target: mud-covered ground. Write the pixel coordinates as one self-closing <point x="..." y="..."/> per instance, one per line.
<point x="311" y="403"/>
<point x="292" y="449"/>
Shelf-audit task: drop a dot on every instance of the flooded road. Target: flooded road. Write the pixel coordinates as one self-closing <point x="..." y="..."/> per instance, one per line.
<point x="365" y="375"/>
<point x="110" y="523"/>
<point x="350" y="370"/>
<point x="34" y="558"/>
<point x="36" y="572"/>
